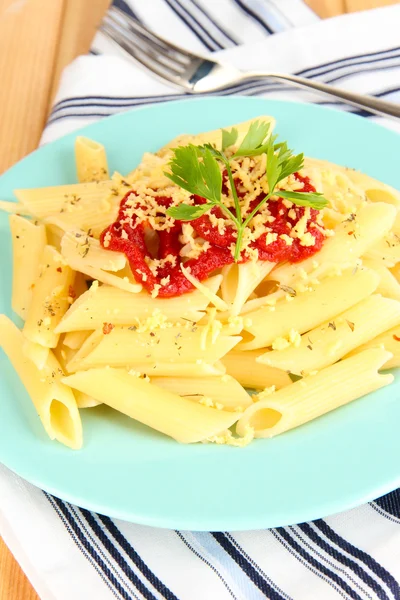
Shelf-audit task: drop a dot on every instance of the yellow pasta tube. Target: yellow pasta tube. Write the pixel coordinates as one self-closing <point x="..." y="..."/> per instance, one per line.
<point x="76" y="245"/>
<point x="244" y="367"/>
<point x="13" y="208"/>
<point x="386" y="250"/>
<point x="50" y="299"/>
<point x="121" y="347"/>
<point x="91" y="160"/>
<point x="352" y="239"/>
<point x="184" y="420"/>
<point x="332" y="340"/>
<point x="85" y="401"/>
<point x="316" y="395"/>
<point x="241" y="280"/>
<point x="308" y="309"/>
<point x="36" y="353"/>
<point x="390" y="341"/>
<point x="105" y="304"/>
<point x="53" y="400"/>
<point x="75" y="339"/>
<point x="224" y="391"/>
<point x="88" y="206"/>
<point x="198" y="369"/>
<point x="388" y="284"/>
<point x="28" y="242"/>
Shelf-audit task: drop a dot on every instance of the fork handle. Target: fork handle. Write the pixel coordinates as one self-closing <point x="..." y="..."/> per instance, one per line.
<point x="369" y="103"/>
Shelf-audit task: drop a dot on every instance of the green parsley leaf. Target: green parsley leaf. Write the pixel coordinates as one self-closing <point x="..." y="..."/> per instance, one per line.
<point x="185" y="212"/>
<point x="229" y="137"/>
<point x="195" y="169"/>
<point x="312" y="199"/>
<point x="291" y="165"/>
<point x="273" y="167"/>
<point x="252" y="144"/>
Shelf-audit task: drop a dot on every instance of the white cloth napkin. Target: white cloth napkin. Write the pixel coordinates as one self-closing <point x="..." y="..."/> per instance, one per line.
<point x="71" y="553"/>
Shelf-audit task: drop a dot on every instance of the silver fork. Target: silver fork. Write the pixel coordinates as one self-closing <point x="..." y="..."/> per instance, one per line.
<point x="196" y="74"/>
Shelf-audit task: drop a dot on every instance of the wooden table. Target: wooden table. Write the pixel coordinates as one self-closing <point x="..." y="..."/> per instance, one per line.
<point x="37" y="39"/>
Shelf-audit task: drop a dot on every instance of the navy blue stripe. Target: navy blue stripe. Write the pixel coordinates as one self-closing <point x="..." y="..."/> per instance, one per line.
<point x="247" y="567"/>
<point x="255" y="16"/>
<point x="198" y="31"/>
<point x="344" y="560"/>
<point x="124" y="6"/>
<point x="89" y="548"/>
<point x="391" y="502"/>
<point x="51" y="500"/>
<point x="364" y="69"/>
<point x="116" y="555"/>
<point x="216" y="25"/>
<point x="347" y="61"/>
<point x="205" y="561"/>
<point x="252" y="88"/>
<point x="367" y="559"/>
<point x="316" y="564"/>
<point x="134" y="556"/>
<point x="257" y="566"/>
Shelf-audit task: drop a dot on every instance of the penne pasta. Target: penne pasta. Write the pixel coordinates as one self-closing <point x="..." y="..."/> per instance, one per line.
<point x="29" y="241"/>
<point x="388" y="284"/>
<point x="53" y="400"/>
<point x="323" y="346"/>
<point x="219" y="392"/>
<point x="75" y="339"/>
<point x="386" y="250"/>
<point x="390" y="341"/>
<point x="241" y="280"/>
<point x="91" y="160"/>
<point x="88" y="206"/>
<point x="76" y="245"/>
<point x="352" y="239"/>
<point x="243" y="366"/>
<point x="183" y="420"/>
<point x="85" y="401"/>
<point x="120" y="347"/>
<point x="316" y="395"/>
<point x="106" y="304"/>
<point x="50" y="299"/>
<point x="308" y="309"/>
<point x="36" y="353"/>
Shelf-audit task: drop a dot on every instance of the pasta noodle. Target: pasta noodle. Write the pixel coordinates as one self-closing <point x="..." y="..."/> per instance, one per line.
<point x="105" y="304"/>
<point x="91" y="160"/>
<point x="126" y="347"/>
<point x="50" y="299"/>
<point x="184" y="420"/>
<point x="218" y="392"/>
<point x="224" y="289"/>
<point x="308" y="309"/>
<point x="352" y="239"/>
<point x="243" y="366"/>
<point x="316" y="395"/>
<point x="29" y="241"/>
<point x="321" y="347"/>
<point x="53" y="400"/>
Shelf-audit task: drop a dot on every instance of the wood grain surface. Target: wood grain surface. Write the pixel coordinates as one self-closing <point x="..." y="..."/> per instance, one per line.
<point x="38" y="38"/>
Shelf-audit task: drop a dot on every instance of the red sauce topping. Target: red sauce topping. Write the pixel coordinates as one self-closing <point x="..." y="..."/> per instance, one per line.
<point x="131" y="236"/>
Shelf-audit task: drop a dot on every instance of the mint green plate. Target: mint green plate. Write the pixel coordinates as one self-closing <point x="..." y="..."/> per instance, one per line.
<point x="128" y="471"/>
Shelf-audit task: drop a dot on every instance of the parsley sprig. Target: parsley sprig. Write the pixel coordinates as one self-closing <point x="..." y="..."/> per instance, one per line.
<point x="197" y="170"/>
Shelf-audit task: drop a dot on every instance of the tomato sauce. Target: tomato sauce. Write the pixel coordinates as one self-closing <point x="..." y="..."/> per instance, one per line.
<point x="128" y="235"/>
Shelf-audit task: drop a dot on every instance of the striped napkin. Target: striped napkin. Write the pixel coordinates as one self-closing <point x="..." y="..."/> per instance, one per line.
<point x="71" y="553"/>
